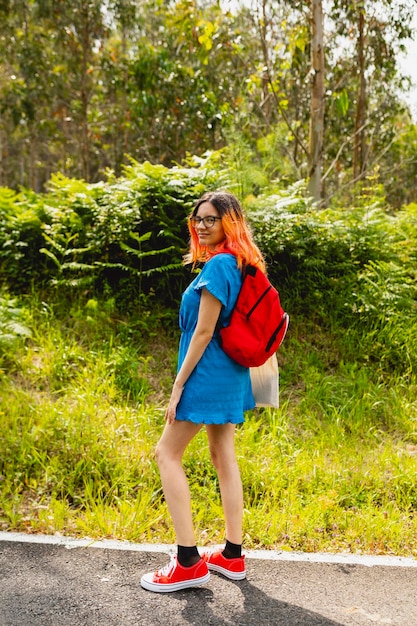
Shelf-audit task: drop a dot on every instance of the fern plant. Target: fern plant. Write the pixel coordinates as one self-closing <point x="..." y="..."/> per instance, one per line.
<point x="13" y="325"/>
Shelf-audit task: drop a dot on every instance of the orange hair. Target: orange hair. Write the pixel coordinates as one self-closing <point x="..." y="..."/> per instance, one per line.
<point x="238" y="235"/>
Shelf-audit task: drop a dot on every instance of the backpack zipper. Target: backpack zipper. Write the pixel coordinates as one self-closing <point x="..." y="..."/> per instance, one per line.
<point x="275" y="333"/>
<point x="249" y="313"/>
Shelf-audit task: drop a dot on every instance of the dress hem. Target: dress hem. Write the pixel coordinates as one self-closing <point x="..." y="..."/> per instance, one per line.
<point x="209" y="423"/>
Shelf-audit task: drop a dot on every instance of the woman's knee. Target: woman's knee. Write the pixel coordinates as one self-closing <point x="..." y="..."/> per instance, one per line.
<point x="221" y="445"/>
<point x="214" y="455"/>
<point x="222" y="459"/>
<point x="164" y="455"/>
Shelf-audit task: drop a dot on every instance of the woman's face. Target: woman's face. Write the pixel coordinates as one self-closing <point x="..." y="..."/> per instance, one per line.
<point x="208" y="235"/>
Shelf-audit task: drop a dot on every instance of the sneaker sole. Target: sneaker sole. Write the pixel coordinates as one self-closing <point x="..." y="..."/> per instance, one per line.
<point x="148" y="584"/>
<point x="226" y="572"/>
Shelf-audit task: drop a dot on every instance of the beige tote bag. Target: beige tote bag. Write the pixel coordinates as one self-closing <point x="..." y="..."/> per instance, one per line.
<point x="265" y="383"/>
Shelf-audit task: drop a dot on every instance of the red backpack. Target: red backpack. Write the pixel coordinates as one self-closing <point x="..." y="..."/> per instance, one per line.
<point x="258" y="323"/>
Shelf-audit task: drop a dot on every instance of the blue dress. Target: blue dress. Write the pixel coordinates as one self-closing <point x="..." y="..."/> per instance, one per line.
<point x="219" y="389"/>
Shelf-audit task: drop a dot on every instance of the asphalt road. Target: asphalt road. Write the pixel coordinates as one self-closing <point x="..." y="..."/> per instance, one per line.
<point x="68" y="583"/>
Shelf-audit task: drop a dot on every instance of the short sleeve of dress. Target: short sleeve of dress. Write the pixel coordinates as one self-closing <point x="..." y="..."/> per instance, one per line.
<point x="222" y="278"/>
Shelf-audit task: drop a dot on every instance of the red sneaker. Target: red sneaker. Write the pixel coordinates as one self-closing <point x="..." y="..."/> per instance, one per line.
<point x="231" y="568"/>
<point x="174" y="577"/>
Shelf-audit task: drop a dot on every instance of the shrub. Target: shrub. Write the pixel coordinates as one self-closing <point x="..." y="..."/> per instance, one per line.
<point x="13" y="326"/>
<point x="127" y="235"/>
<point x="349" y="270"/>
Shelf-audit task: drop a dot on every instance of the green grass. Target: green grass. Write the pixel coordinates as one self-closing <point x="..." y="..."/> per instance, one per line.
<point x="81" y="409"/>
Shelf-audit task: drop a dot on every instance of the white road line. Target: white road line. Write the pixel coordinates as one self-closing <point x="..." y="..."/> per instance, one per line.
<point x="271" y="555"/>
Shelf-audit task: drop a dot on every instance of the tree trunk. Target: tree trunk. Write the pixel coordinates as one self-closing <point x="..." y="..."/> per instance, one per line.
<point x="2" y="152"/>
<point x="317" y="100"/>
<point x="266" y="101"/>
<point x="85" y="92"/>
<point x="32" y="182"/>
<point x="359" y="150"/>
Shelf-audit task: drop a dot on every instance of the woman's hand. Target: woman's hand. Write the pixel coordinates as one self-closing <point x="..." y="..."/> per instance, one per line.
<point x="171" y="410"/>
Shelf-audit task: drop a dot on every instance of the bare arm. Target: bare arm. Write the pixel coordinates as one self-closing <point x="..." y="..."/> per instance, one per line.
<point x="208" y="315"/>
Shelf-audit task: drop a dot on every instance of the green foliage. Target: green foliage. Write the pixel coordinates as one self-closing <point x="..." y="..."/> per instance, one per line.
<point x="332" y="470"/>
<point x="386" y="305"/>
<point x="84" y="86"/>
<point x="403" y="153"/>
<point x="13" y="325"/>
<point x="127" y="235"/>
<point x="20" y="237"/>
<point x="82" y="392"/>
<point x="347" y="269"/>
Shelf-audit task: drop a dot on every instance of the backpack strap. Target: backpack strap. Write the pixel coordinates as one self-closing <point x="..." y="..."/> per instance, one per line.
<point x="246" y="269"/>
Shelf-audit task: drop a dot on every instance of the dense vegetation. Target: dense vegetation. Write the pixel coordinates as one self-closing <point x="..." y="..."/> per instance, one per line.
<point x="101" y="106"/>
<point x="86" y="84"/>
<point x="91" y="276"/>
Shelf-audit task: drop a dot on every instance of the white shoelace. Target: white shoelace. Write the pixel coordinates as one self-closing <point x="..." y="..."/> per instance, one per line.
<point x="168" y="568"/>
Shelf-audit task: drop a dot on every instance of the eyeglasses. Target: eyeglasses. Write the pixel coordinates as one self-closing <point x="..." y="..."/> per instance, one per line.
<point x="208" y="221"/>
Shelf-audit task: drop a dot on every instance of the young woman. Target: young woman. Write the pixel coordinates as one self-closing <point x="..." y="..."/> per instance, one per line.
<point x="210" y="389"/>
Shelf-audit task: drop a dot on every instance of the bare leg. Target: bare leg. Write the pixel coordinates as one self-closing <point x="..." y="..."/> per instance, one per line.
<point x="169" y="453"/>
<point x="222" y="450"/>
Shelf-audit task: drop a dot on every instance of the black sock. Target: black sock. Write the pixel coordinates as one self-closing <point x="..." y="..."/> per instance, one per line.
<point x="232" y="550"/>
<point x="188" y="556"/>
